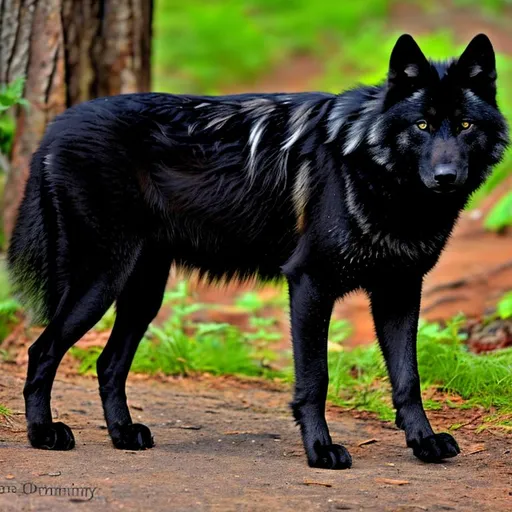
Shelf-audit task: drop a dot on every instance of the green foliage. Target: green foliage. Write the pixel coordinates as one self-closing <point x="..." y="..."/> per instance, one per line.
<point x="219" y="349"/>
<point x="500" y="216"/>
<point x="181" y="346"/>
<point x="9" y="307"/>
<point x="253" y="303"/>
<point x="10" y="95"/>
<point x="504" y="308"/>
<point x="5" y="412"/>
<point x="202" y="46"/>
<point x="359" y="379"/>
<point x="7" y="129"/>
<point x="445" y="362"/>
<point x="107" y="321"/>
<point x="488" y="7"/>
<point x="250" y="301"/>
<point x="87" y="357"/>
<point x="339" y="330"/>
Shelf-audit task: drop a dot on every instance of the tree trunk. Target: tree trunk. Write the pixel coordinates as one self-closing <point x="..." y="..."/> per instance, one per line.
<point x="69" y="51"/>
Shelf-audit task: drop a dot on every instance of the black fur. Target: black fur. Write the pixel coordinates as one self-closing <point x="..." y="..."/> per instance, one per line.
<point x="339" y="192"/>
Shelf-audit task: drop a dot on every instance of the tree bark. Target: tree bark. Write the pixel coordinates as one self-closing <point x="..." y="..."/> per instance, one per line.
<point x="69" y="51"/>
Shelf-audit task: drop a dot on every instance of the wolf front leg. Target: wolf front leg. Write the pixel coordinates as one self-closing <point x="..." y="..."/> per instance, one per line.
<point x="395" y="305"/>
<point x="311" y="308"/>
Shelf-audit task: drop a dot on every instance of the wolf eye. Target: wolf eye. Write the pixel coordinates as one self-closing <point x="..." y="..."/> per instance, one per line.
<point x="422" y="125"/>
<point x="465" y="125"/>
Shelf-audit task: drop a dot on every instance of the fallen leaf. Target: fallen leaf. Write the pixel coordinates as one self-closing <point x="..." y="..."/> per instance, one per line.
<point x="368" y="441"/>
<point x="391" y="481"/>
<point x="477" y="448"/>
<point x="293" y="453"/>
<point x="322" y="484"/>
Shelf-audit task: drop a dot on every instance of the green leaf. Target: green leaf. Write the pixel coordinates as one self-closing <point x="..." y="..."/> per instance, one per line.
<point x="505" y="306"/>
<point x="501" y="215"/>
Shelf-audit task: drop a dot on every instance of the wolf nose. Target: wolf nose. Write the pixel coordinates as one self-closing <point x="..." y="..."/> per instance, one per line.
<point x="445" y="174"/>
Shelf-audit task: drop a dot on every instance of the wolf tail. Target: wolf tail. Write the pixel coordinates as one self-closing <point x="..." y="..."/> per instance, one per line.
<point x="32" y="254"/>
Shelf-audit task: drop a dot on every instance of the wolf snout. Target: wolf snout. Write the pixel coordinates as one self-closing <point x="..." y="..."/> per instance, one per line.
<point x="445" y="175"/>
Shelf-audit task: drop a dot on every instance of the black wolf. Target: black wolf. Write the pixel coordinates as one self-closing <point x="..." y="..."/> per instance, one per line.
<point x="337" y="192"/>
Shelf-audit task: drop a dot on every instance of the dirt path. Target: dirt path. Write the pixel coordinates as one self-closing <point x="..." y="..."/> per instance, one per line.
<point x="225" y="445"/>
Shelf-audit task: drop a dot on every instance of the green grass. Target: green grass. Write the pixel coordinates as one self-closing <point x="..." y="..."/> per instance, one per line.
<point x="359" y="378"/>
<point x="181" y="346"/>
<point x="107" y="321"/>
<point x="5" y="412"/>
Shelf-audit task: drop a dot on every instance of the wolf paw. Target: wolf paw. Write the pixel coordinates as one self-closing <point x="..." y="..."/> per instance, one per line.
<point x="52" y="436"/>
<point x="132" y="437"/>
<point x="435" y="448"/>
<point x="330" y="456"/>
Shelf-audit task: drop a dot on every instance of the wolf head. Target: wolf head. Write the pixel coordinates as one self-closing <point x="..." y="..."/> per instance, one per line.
<point x="439" y="122"/>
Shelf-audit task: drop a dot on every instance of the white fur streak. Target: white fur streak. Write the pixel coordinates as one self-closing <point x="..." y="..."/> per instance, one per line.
<point x="297" y="124"/>
<point x="380" y="156"/>
<point x="191" y="128"/>
<point x="300" y="193"/>
<point x="218" y="122"/>
<point x="259" y="110"/>
<point x="403" y="140"/>
<point x="254" y="139"/>
<point x="337" y="118"/>
<point x="47" y="161"/>
<point x="497" y="151"/>
<point x="411" y="70"/>
<point x="258" y="107"/>
<point x="375" y="134"/>
<point x="471" y="97"/>
<point x="354" y="208"/>
<point x="475" y="70"/>
<point x="417" y="96"/>
<point x="357" y="130"/>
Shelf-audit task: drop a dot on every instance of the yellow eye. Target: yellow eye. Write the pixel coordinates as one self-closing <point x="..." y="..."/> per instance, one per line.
<point x="422" y="125"/>
<point x="465" y="125"/>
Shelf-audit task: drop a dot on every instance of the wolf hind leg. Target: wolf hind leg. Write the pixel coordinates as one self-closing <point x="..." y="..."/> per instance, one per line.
<point x="80" y="309"/>
<point x="137" y="305"/>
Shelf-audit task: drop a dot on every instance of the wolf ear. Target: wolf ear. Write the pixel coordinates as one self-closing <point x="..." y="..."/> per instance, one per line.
<point x="476" y="68"/>
<point x="409" y="69"/>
